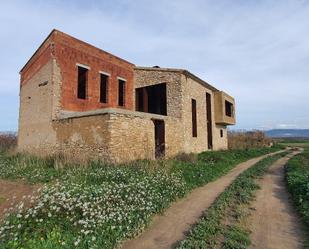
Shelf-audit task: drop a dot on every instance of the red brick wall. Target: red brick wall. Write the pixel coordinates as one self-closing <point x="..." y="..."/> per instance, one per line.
<point x="43" y="55"/>
<point x="68" y="52"/>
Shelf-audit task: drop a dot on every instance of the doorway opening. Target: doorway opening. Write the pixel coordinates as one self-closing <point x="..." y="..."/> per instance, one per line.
<point x="159" y="129"/>
<point x="209" y="121"/>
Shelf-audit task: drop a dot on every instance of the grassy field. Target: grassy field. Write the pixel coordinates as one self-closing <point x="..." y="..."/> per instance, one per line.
<point x="222" y="225"/>
<point x="297" y="176"/>
<point x="99" y="205"/>
<point x="295" y="143"/>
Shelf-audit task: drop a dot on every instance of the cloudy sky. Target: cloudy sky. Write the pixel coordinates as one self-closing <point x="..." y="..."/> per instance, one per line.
<point x="258" y="51"/>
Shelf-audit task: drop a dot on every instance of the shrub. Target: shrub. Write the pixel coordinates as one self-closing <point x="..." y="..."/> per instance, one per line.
<point x="244" y="140"/>
<point x="8" y="141"/>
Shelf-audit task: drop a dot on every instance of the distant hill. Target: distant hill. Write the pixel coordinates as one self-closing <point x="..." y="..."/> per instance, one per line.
<point x="288" y="133"/>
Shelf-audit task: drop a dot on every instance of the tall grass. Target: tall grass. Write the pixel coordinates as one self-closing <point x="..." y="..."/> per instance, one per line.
<point x="245" y="140"/>
<point x="297" y="176"/>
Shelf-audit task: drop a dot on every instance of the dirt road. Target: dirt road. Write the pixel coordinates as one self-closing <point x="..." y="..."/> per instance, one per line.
<point x="11" y="193"/>
<point x="274" y="223"/>
<point x="168" y="229"/>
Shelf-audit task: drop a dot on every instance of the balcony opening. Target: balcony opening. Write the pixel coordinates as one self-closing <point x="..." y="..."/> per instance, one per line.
<point x="229" y="109"/>
<point x="151" y="99"/>
<point x="82" y="79"/>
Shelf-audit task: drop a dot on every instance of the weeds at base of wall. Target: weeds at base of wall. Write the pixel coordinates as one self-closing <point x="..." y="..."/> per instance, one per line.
<point x="187" y="157"/>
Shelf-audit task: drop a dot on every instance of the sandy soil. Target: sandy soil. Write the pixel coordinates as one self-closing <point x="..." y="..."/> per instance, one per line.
<point x="167" y="229"/>
<point x="12" y="193"/>
<point x="274" y="223"/>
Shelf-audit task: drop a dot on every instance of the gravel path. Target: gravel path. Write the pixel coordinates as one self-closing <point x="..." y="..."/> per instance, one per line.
<point x="167" y="229"/>
<point x="274" y="223"/>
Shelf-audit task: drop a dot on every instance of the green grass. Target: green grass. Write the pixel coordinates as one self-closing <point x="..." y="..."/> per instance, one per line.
<point x="211" y="165"/>
<point x="195" y="171"/>
<point x="212" y="229"/>
<point x="295" y="143"/>
<point x="297" y="176"/>
<point x="100" y="205"/>
<point x="2" y="199"/>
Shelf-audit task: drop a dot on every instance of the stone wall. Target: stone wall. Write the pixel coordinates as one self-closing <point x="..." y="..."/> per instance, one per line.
<point x="220" y="142"/>
<point x="115" y="135"/>
<point x="181" y="90"/>
<point x="132" y="137"/>
<point x="84" y="137"/>
<point x="194" y="90"/>
<point x="148" y="77"/>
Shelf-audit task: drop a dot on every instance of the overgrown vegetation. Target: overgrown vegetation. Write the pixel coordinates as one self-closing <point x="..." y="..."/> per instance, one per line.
<point x="99" y="205"/>
<point x="297" y="175"/>
<point x="8" y="141"/>
<point x="245" y="140"/>
<point x="213" y="228"/>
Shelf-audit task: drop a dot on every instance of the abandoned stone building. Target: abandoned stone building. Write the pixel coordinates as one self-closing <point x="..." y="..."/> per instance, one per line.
<point x="79" y="100"/>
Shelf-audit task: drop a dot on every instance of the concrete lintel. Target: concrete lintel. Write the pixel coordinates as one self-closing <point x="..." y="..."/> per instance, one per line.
<point x="70" y="114"/>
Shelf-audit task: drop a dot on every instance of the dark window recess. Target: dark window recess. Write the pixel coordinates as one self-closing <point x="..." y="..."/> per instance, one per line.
<point x="221" y="133"/>
<point x="151" y="99"/>
<point x="121" y="92"/>
<point x="228" y="109"/>
<point x="209" y="121"/>
<point x="194" y="119"/>
<point x="82" y="83"/>
<point x="103" y="88"/>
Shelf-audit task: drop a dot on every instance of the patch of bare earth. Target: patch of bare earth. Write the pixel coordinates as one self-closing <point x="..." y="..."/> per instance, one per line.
<point x="12" y="193"/>
<point x="167" y="229"/>
<point x="274" y="223"/>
